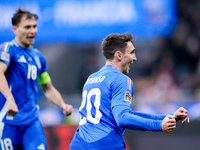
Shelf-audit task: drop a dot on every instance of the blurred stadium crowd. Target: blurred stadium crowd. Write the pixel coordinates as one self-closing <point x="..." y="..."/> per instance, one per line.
<point x="170" y="69"/>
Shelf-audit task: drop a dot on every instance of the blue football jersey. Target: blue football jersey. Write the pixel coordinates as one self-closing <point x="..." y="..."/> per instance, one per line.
<point x="102" y="91"/>
<point x="24" y="68"/>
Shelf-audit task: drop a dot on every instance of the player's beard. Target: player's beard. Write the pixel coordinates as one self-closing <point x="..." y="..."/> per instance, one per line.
<point x="126" y="71"/>
<point x="127" y="68"/>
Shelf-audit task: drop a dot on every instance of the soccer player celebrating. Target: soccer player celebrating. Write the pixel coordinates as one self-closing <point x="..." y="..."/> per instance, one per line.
<point x="106" y="98"/>
<point x="21" y="68"/>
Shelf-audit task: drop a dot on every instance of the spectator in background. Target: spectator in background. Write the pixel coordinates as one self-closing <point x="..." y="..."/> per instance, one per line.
<point x="181" y="53"/>
<point x="21" y="68"/>
<point x="106" y="98"/>
<point x="185" y="47"/>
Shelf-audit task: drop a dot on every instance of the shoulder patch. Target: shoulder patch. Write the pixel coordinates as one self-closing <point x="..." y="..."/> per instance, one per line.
<point x="128" y="97"/>
<point x="5" y="56"/>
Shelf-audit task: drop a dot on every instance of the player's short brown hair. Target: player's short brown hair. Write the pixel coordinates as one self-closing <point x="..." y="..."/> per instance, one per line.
<point x="19" y="14"/>
<point x="115" y="42"/>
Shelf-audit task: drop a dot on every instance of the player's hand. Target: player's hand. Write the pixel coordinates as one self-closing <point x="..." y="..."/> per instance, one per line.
<point x="67" y="109"/>
<point x="12" y="108"/>
<point x="168" y="124"/>
<point x="181" y="113"/>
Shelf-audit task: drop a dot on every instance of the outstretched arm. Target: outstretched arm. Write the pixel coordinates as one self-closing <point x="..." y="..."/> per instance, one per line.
<point x="150" y="116"/>
<point x="125" y="117"/>
<point x="55" y="97"/>
<point x="4" y="89"/>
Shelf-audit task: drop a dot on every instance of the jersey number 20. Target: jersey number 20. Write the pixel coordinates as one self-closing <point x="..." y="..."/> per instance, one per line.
<point x="87" y="97"/>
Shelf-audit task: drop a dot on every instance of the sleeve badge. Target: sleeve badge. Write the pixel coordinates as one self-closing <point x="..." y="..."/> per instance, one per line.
<point x="5" y="56"/>
<point x="128" y="97"/>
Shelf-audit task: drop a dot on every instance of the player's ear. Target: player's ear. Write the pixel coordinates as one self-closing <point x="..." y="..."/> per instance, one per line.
<point x="14" y="28"/>
<point x="118" y="55"/>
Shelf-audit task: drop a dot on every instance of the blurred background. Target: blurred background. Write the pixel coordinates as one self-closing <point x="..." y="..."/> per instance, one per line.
<point x="166" y="74"/>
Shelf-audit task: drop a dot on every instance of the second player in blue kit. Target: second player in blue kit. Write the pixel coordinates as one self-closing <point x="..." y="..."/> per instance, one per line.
<point x="106" y="99"/>
<point x="22" y="67"/>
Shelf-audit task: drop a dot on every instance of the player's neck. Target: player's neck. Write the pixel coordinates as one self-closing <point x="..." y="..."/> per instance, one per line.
<point x="21" y="44"/>
<point x="114" y="65"/>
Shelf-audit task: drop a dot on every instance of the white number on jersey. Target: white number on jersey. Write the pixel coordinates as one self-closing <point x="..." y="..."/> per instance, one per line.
<point x="7" y="143"/>
<point x="87" y="97"/>
<point x="32" y="72"/>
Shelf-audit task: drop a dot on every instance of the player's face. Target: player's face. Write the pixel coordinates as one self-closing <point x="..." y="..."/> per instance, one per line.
<point x="25" y="32"/>
<point x="128" y="58"/>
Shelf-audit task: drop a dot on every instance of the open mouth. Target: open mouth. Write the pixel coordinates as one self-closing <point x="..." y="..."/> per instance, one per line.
<point x="31" y="38"/>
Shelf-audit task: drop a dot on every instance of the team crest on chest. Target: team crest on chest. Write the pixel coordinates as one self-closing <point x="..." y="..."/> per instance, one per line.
<point x="37" y="60"/>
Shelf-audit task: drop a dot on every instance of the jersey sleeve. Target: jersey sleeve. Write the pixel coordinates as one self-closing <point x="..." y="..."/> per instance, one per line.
<point x="126" y="118"/>
<point x="5" y="53"/>
<point x="44" y="76"/>
<point x="44" y="67"/>
<point x="122" y="91"/>
<point x="150" y="116"/>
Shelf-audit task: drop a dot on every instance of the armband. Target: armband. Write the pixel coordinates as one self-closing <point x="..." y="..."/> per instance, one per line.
<point x="44" y="78"/>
